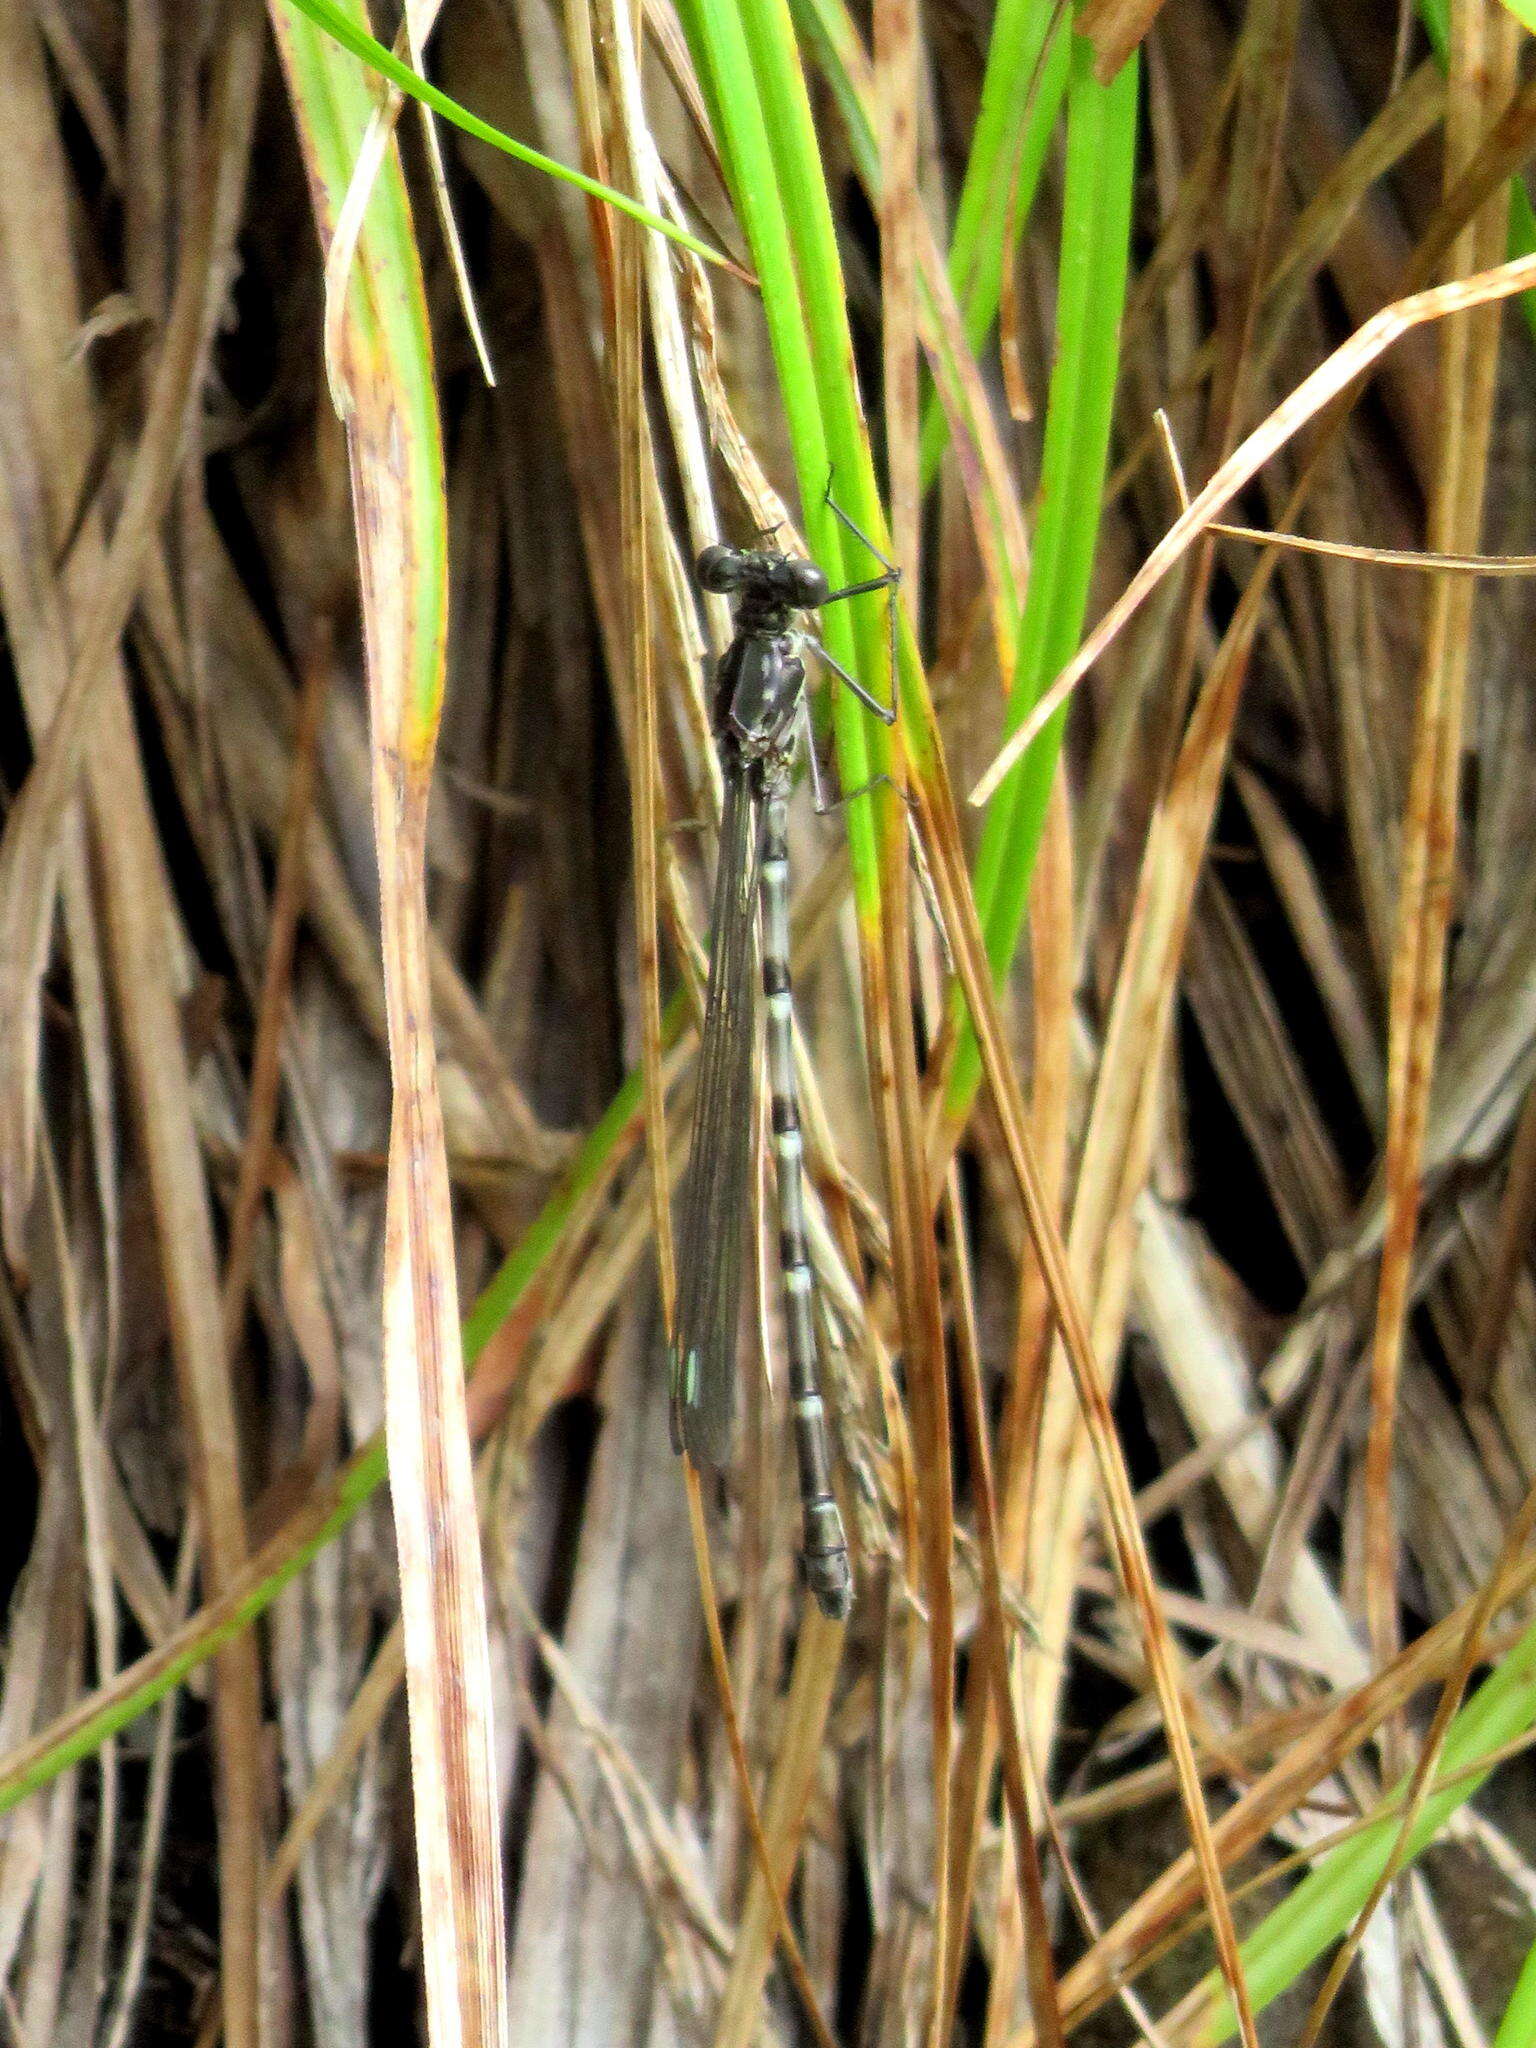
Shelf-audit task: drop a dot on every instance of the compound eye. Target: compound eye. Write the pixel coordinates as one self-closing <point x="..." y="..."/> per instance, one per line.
<point x="719" y="569"/>
<point x="809" y="585"/>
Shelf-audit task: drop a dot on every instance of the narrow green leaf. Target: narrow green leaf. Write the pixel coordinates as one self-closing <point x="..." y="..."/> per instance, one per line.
<point x="1095" y="244"/>
<point x="1028" y="63"/>
<point x="1524" y="12"/>
<point x="1517" y="2029"/>
<point x="1322" y="1907"/>
<point x="325" y="15"/>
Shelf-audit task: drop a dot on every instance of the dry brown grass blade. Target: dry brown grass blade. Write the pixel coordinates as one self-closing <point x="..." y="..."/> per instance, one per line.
<point x="1348" y="1723"/>
<point x="1240" y="253"/>
<point x="888" y="998"/>
<point x="620" y="1884"/>
<point x="101" y="586"/>
<point x="958" y="909"/>
<point x="818" y="1654"/>
<point x="57" y="1278"/>
<point x="37" y="619"/>
<point x="1051" y="960"/>
<point x="1115" y="27"/>
<point x="1517" y="1212"/>
<point x="1340" y="205"/>
<point x="997" y="519"/>
<point x="29" y="853"/>
<point x="1426" y="561"/>
<point x="1482" y="78"/>
<point x="256" y="1154"/>
<point x="1189" y="206"/>
<point x="45" y="1670"/>
<point x="136" y="925"/>
<point x="386" y="1675"/>
<point x="394" y="458"/>
<point x="432" y="1479"/>
<point x="1338" y="211"/>
<point x="156" y="1820"/>
<point x="360" y="1726"/>
<point x="634" y="467"/>
<point x="1326" y="383"/>
<point x="898" y="96"/>
<point x="1265" y="61"/>
<point x="1035" y="1919"/>
<point x="85" y="85"/>
<point x="770" y="1872"/>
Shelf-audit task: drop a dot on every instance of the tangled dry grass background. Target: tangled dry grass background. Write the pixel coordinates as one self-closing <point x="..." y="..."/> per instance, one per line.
<point x="1273" y="1022"/>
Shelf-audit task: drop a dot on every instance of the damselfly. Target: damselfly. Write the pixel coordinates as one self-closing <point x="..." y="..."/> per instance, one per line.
<point x="759" y="701"/>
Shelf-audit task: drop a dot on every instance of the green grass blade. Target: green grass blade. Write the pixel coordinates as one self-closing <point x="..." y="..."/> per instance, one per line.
<point x="356" y="1484"/>
<point x="1028" y="64"/>
<point x="1101" y="157"/>
<point x="327" y="16"/>
<point x="518" y="1271"/>
<point x="1026" y="78"/>
<point x="1322" y="1907"/>
<point x="1518" y="2026"/>
<point x="825" y="27"/>
<point x="828" y="32"/>
<point x="750" y="65"/>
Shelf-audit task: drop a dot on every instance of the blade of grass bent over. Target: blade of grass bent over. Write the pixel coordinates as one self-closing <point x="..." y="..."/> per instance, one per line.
<point x="395" y="454"/>
<point x="345" y="30"/>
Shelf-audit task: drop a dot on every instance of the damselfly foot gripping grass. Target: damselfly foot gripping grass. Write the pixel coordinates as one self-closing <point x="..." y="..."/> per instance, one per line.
<point x="759" y="702"/>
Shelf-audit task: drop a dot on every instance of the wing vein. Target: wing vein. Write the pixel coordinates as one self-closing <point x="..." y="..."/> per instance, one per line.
<point x="715" y="1200"/>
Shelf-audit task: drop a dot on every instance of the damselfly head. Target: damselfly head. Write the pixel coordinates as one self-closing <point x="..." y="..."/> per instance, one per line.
<point x="807" y="585"/>
<point x="722" y="569"/>
<point x="766" y="576"/>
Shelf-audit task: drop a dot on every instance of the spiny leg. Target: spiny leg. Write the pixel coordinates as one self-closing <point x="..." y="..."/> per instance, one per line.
<point x="886" y="713"/>
<point x="892" y="573"/>
<point x="890" y="582"/>
<point x="821" y="803"/>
